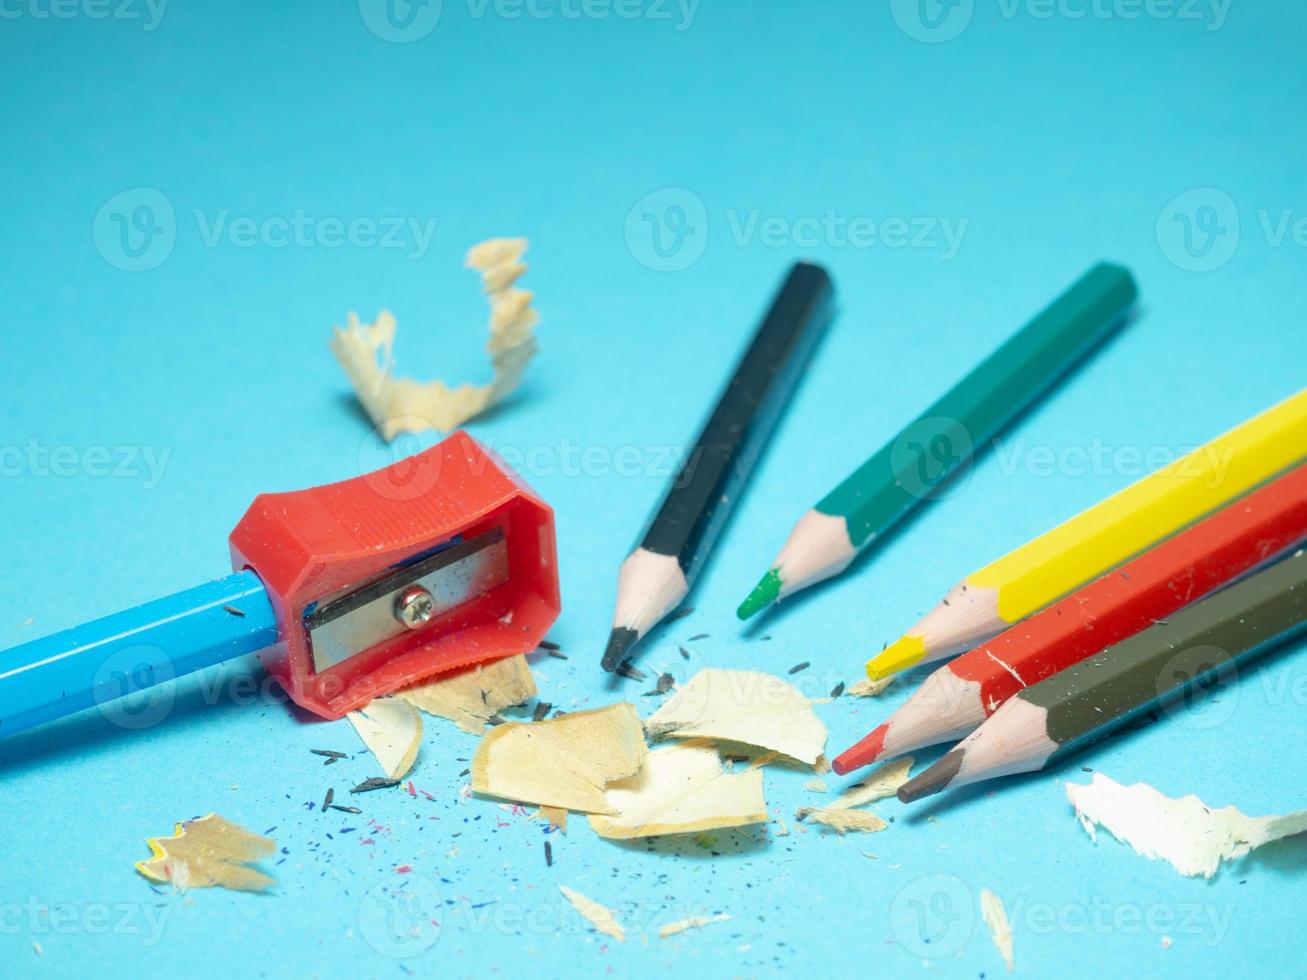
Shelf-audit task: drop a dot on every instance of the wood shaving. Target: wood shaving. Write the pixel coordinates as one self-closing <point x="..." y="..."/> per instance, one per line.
<point x="883" y="782"/>
<point x="694" y="922"/>
<point x="599" y="916"/>
<point x="563" y="762"/>
<point x="816" y="786"/>
<point x="995" y="916"/>
<point x="470" y="698"/>
<point x="211" y="852"/>
<point x="555" y="816"/>
<point x="869" y="688"/>
<point x="391" y="728"/>
<point x="1191" y="836"/>
<point x="842" y="821"/>
<point x="398" y="405"/>
<point x="743" y="706"/>
<point x="681" y="790"/>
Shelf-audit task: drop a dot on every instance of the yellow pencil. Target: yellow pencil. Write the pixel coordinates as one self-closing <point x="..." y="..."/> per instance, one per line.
<point x="1078" y="551"/>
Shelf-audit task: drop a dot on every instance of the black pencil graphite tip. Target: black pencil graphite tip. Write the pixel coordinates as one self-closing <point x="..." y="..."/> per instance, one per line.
<point x="933" y="780"/>
<point x="620" y="640"/>
<point x="656" y="577"/>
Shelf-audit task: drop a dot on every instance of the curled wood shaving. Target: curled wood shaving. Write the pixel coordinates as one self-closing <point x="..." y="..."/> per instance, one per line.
<point x="995" y="916"/>
<point x="599" y="916"/>
<point x="398" y="405"/>
<point x="883" y="782"/>
<point x="681" y="790"/>
<point x="470" y="698"/>
<point x="869" y="688"/>
<point x="843" y="821"/>
<point x="694" y="922"/>
<point x="555" y="816"/>
<point x="391" y="728"/>
<point x="1191" y="836"/>
<point x="207" y="853"/>
<point x="562" y="762"/>
<point x="744" y="706"/>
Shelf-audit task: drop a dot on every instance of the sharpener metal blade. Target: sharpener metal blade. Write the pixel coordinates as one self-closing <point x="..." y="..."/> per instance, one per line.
<point x="359" y="621"/>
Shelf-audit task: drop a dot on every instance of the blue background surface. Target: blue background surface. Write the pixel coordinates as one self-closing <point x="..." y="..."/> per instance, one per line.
<point x="1166" y="137"/>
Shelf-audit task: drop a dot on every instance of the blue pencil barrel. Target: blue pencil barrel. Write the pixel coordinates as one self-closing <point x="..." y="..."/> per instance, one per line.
<point x="99" y="662"/>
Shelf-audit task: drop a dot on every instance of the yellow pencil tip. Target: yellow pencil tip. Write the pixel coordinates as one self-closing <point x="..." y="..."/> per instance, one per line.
<point x="906" y="651"/>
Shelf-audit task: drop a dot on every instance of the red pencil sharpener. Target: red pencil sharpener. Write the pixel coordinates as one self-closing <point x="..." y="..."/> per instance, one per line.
<point x="439" y="561"/>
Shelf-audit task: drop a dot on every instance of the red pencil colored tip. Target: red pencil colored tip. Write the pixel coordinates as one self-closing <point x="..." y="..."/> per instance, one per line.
<point x="863" y="754"/>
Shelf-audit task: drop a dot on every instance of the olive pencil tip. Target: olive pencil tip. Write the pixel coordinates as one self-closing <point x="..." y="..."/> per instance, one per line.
<point x="934" y="779"/>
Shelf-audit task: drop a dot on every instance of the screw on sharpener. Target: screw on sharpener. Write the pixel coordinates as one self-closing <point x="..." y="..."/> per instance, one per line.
<point x="414" y="607"/>
<point x="348" y="592"/>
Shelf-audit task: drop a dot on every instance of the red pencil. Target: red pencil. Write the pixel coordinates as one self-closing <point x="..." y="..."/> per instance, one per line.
<point x="956" y="698"/>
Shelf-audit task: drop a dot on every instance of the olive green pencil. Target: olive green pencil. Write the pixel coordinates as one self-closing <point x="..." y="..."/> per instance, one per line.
<point x="909" y="468"/>
<point x="1099" y="695"/>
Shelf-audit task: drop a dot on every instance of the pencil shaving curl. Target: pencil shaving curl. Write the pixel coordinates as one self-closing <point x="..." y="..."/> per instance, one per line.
<point x="681" y="790"/>
<point x="1191" y="836"/>
<point x="470" y="698"/>
<point x="599" y="916"/>
<point x="398" y="405"/>
<point x="564" y="762"/>
<point x="995" y="916"/>
<point x="883" y="782"/>
<point x="391" y="728"/>
<point x="842" y="821"/>
<point x="745" y="707"/>
<point x="211" y="852"/>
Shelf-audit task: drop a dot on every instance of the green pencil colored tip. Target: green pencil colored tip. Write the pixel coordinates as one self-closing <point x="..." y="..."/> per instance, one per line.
<point x="767" y="591"/>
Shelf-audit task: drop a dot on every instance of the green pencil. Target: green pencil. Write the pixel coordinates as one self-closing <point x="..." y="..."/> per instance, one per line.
<point x="908" y="468"/>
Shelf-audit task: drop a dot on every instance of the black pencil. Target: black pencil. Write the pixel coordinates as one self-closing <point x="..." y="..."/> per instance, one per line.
<point x="1151" y="669"/>
<point x="658" y="575"/>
